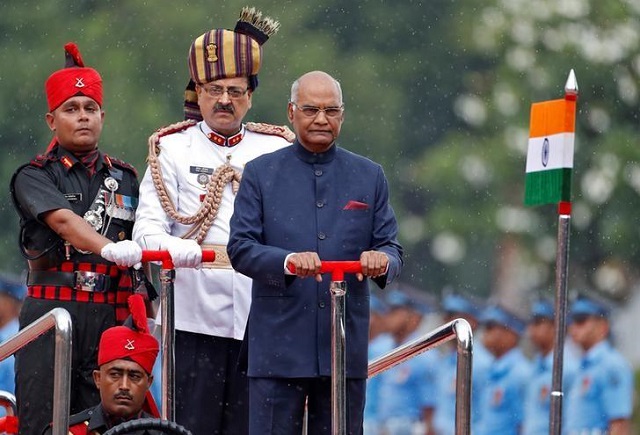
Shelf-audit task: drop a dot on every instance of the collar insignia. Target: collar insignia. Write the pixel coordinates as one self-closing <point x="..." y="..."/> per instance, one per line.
<point x="224" y="141"/>
<point x="66" y="161"/>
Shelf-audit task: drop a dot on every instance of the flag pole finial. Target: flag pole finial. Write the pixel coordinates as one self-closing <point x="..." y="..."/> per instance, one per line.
<point x="571" y="87"/>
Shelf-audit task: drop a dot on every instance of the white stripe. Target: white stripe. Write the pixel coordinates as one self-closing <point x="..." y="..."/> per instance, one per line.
<point x="560" y="152"/>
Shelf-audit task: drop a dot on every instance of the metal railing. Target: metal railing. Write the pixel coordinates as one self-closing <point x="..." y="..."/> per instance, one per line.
<point x="459" y="329"/>
<point x="8" y="402"/>
<point x="60" y="319"/>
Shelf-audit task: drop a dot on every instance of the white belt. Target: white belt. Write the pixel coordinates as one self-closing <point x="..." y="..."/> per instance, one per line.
<point x="222" y="259"/>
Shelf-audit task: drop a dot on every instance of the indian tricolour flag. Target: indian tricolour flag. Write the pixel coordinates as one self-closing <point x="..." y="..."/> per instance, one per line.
<point x="550" y="154"/>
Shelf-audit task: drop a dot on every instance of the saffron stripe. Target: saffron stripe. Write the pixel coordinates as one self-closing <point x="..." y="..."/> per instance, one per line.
<point x="552" y="117"/>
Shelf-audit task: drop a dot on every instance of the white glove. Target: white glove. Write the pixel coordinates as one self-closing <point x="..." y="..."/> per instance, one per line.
<point x="126" y="253"/>
<point x="184" y="252"/>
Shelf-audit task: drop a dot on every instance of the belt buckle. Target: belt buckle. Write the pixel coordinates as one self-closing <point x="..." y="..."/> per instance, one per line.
<point x="90" y="281"/>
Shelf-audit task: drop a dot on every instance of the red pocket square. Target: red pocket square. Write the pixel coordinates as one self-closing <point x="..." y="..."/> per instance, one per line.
<point x="356" y="205"/>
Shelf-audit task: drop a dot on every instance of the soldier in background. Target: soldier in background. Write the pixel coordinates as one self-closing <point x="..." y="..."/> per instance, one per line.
<point x="541" y="330"/>
<point x="601" y="397"/>
<point x="12" y="294"/>
<point x="407" y="392"/>
<point x="380" y="343"/>
<point x="456" y="306"/>
<point x="502" y="400"/>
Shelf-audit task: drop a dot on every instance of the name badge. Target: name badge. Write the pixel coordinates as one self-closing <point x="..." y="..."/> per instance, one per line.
<point x="200" y="170"/>
<point x="73" y="197"/>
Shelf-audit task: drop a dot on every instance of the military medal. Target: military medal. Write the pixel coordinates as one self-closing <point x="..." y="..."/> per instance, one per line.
<point x="203" y="179"/>
<point x="94" y="218"/>
<point x="111" y="184"/>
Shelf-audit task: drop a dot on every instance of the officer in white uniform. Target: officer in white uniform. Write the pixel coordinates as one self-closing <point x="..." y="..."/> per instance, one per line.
<point x="186" y="201"/>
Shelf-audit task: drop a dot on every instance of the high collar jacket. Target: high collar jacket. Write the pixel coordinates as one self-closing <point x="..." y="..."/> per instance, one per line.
<point x="334" y="203"/>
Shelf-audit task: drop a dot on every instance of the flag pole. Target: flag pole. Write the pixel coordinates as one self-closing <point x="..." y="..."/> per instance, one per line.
<point x="562" y="271"/>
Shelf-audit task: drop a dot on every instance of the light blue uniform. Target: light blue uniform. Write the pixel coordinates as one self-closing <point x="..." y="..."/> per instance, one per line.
<point x="380" y="345"/>
<point x="7" y="374"/>
<point x="602" y="391"/>
<point x="538" y="399"/>
<point x="445" y="415"/>
<point x="405" y="391"/>
<point x="502" y="400"/>
<point x="16" y="291"/>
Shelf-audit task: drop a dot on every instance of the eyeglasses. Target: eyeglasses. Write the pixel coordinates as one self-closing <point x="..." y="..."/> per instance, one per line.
<point x="312" y="111"/>
<point x="218" y="91"/>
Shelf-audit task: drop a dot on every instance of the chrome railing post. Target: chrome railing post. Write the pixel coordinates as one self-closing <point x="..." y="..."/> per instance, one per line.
<point x="459" y="329"/>
<point x="167" y="277"/>
<point x="338" y="291"/>
<point x="60" y="319"/>
<point x="464" y="367"/>
<point x="8" y="402"/>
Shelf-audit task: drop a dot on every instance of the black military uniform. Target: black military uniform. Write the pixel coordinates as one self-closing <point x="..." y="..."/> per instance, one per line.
<point x="94" y="421"/>
<point x="93" y="290"/>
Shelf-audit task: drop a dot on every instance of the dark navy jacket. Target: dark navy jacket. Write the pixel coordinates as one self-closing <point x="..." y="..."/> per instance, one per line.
<point x="334" y="203"/>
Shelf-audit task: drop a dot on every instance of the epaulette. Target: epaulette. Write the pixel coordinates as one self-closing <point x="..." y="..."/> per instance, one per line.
<point x="42" y="159"/>
<point x="81" y="417"/>
<point x="274" y="130"/>
<point x="121" y="164"/>
<point x="175" y="128"/>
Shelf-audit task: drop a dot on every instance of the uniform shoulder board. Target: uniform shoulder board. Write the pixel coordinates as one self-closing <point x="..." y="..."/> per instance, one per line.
<point x="177" y="127"/>
<point x="43" y="159"/>
<point x="121" y="164"/>
<point x="81" y="417"/>
<point x="174" y="128"/>
<point x="274" y="130"/>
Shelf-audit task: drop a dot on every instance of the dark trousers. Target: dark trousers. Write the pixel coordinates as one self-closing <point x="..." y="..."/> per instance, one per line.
<point x="277" y="405"/>
<point x="34" y="363"/>
<point x="211" y="393"/>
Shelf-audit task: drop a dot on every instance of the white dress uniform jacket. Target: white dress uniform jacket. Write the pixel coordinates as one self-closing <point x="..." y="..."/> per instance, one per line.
<point x="207" y="301"/>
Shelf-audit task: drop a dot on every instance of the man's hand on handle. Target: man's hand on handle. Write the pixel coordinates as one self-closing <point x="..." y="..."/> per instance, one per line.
<point x="184" y="252"/>
<point x="126" y="253"/>
<point x="306" y="264"/>
<point x="374" y="264"/>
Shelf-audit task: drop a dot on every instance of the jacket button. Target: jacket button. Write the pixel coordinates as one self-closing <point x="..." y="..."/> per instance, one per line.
<point x="321" y="304"/>
<point x="319" y="204"/>
<point x="322" y="236"/>
<point x="318" y="172"/>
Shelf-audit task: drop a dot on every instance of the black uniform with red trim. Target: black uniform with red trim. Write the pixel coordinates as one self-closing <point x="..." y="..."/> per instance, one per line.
<point x="93" y="290"/>
<point x="94" y="421"/>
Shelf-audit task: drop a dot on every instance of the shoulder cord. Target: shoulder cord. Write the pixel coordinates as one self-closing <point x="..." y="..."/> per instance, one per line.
<point x="208" y="211"/>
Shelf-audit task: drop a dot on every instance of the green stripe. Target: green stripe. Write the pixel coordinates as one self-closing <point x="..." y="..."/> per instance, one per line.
<point x="547" y="187"/>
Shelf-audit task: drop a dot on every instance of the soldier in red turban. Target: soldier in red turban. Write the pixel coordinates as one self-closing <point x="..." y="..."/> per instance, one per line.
<point x="126" y="356"/>
<point x="76" y="206"/>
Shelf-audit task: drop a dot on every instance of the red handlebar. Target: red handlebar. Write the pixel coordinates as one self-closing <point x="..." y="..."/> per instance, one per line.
<point x="336" y="268"/>
<point x="167" y="263"/>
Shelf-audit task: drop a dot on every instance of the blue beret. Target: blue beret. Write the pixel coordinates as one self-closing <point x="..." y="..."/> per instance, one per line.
<point x="588" y="306"/>
<point x="399" y="299"/>
<point x="377" y="305"/>
<point x="543" y="308"/>
<point x="501" y="316"/>
<point x="14" y="289"/>
<point x="459" y="304"/>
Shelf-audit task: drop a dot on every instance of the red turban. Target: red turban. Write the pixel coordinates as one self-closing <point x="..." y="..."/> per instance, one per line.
<point x="73" y="79"/>
<point x="133" y="343"/>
